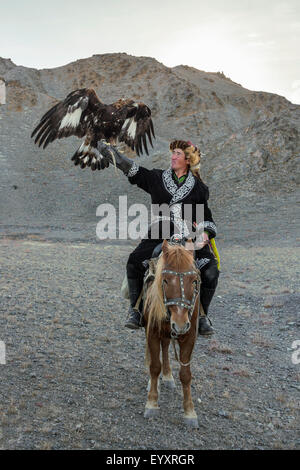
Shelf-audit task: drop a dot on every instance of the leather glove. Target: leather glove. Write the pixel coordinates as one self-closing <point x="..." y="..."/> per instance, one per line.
<point x="114" y="156"/>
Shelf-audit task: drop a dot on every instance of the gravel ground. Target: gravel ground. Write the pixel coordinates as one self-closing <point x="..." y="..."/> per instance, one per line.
<point x="75" y="378"/>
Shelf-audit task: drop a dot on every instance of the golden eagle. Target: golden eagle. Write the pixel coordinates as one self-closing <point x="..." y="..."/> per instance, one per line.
<point x="84" y="115"/>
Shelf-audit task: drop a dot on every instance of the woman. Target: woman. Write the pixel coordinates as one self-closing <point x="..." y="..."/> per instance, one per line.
<point x="182" y="189"/>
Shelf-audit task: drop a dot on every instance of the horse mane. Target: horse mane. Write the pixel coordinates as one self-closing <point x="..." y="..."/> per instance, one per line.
<point x="178" y="259"/>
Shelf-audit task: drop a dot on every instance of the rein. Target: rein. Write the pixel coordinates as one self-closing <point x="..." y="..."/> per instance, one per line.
<point x="181" y="301"/>
<point x="177" y="357"/>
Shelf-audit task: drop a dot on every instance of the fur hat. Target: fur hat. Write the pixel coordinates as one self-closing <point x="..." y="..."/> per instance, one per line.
<point x="191" y="152"/>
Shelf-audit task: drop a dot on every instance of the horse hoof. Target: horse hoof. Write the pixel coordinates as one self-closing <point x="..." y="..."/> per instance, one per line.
<point x="169" y="383"/>
<point x="151" y="412"/>
<point x="191" y="422"/>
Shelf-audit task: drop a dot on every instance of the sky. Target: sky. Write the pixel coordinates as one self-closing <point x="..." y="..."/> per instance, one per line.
<point x="254" y="42"/>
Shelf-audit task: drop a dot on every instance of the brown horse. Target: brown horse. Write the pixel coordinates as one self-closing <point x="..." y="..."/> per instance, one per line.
<point x="171" y="312"/>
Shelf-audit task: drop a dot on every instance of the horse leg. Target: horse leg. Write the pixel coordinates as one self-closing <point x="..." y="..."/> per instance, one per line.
<point x="190" y="416"/>
<point x="167" y="376"/>
<point x="152" y="408"/>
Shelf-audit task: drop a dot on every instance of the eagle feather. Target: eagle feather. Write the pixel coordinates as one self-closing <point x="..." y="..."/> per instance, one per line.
<point x="82" y="114"/>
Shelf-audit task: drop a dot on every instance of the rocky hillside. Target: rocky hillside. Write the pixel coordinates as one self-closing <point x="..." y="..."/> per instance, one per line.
<point x="240" y="131"/>
<point x="250" y="140"/>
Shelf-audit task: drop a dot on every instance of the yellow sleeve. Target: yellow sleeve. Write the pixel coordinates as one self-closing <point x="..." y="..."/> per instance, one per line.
<point x="216" y="253"/>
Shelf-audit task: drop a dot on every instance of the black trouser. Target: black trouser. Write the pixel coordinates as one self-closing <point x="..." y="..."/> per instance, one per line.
<point x="135" y="269"/>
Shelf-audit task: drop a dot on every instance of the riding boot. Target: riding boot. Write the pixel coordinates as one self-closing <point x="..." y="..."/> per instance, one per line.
<point x="205" y="327"/>
<point x="134" y="320"/>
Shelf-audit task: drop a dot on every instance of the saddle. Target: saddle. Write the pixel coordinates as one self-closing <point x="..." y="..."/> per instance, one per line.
<point x="150" y="265"/>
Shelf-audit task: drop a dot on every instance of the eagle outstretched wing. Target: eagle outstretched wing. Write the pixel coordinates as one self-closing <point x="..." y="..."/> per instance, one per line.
<point x="136" y="127"/>
<point x="84" y="115"/>
<point x="73" y="116"/>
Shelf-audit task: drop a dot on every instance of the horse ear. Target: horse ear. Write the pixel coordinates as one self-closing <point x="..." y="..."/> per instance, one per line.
<point x="164" y="247"/>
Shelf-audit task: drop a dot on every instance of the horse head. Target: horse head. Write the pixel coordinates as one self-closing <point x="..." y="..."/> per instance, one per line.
<point x="180" y="286"/>
<point x="174" y="292"/>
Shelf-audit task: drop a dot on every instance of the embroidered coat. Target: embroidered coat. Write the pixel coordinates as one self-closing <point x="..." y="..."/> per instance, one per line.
<point x="180" y="199"/>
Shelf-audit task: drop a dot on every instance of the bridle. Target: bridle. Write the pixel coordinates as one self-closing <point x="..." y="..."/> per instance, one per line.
<point x="181" y="301"/>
